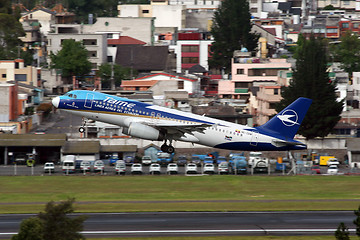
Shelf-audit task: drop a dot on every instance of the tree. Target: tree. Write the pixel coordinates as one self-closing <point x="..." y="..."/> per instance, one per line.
<point x="120" y="73"/>
<point x="357" y="221"/>
<point x="53" y="224"/>
<point x="231" y="31"/>
<point x="10" y="31"/>
<point x="342" y="232"/>
<point x="58" y="225"/>
<point x="311" y="80"/>
<point x="30" y="229"/>
<point x="72" y="59"/>
<point x="347" y="52"/>
<point x="99" y="8"/>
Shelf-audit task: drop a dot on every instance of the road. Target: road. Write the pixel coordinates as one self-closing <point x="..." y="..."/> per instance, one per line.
<point x="201" y="223"/>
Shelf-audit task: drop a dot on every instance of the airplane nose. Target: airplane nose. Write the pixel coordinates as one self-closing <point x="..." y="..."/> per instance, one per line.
<point x="55" y="102"/>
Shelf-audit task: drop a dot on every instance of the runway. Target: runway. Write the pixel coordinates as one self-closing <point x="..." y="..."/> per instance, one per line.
<point x="201" y="223"/>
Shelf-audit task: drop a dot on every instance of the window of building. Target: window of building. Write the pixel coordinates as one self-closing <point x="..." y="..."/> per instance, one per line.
<point x="189" y="60"/>
<point x="240" y="71"/>
<point x="253" y="10"/>
<point x="254" y="1"/>
<point x="16" y="65"/>
<point x="272" y="105"/>
<point x="109" y="36"/>
<point x="190" y="48"/>
<point x="92" y="53"/>
<point x="346" y="2"/>
<point x="331" y="30"/>
<point x="90" y="42"/>
<point x="276" y="91"/>
<point x="334" y="1"/>
<point x="356" y="25"/>
<point x="241" y="84"/>
<point x="145" y="11"/>
<point x="109" y="59"/>
<point x="345" y="25"/>
<point x="3" y="75"/>
<point x="180" y="84"/>
<point x="20" y="77"/>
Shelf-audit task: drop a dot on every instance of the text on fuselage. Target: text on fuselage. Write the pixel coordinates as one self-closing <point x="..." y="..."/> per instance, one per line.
<point x="120" y="103"/>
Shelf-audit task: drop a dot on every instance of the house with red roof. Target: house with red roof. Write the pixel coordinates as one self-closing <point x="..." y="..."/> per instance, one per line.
<point x="113" y="43"/>
<point x="168" y="81"/>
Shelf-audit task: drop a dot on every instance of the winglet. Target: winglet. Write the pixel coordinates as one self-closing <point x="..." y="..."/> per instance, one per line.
<point x="287" y="122"/>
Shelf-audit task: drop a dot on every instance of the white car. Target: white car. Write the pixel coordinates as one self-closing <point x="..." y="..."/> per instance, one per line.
<point x="333" y="170"/>
<point x="49" y="167"/>
<point x="120" y="167"/>
<point x="209" y="168"/>
<point x="172" y="168"/>
<point x="136" y="168"/>
<point x="333" y="161"/>
<point x="191" y="168"/>
<point x="146" y="160"/>
<point x="155" y="168"/>
<point x="85" y="166"/>
<point x="99" y="166"/>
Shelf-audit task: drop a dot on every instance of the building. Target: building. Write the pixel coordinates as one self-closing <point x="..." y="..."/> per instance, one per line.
<point x="170" y="82"/>
<point x="248" y="70"/>
<point x="15" y="70"/>
<point x="164" y="15"/>
<point x="267" y="97"/>
<point x="192" y="48"/>
<point x="95" y="43"/>
<point x="44" y="16"/>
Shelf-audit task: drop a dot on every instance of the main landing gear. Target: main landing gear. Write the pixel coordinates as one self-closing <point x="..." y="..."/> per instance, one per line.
<point x="167" y="148"/>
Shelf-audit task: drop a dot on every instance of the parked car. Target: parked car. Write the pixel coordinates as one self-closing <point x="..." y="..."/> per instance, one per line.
<point x="120" y="167"/>
<point x="85" y="166"/>
<point x="49" y="167"/>
<point x="191" y="168"/>
<point x="172" y="168"/>
<point x="182" y="160"/>
<point x="315" y="169"/>
<point x="333" y="170"/>
<point x="146" y="160"/>
<point x="209" y="168"/>
<point x="333" y="161"/>
<point x="220" y="159"/>
<point x="155" y="168"/>
<point x="224" y="168"/>
<point x="196" y="160"/>
<point x="136" y="168"/>
<point x="99" y="166"/>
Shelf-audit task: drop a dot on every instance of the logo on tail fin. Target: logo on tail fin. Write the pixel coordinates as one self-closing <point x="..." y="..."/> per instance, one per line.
<point x="289" y="118"/>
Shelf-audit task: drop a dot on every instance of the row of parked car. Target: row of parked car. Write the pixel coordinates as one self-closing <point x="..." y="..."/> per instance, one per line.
<point x="172" y="168"/>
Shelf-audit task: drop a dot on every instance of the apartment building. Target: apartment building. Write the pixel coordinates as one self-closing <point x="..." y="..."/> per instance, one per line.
<point x="15" y="70"/>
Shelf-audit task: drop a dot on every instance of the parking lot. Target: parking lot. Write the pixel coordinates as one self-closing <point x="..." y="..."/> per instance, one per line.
<point x="38" y="170"/>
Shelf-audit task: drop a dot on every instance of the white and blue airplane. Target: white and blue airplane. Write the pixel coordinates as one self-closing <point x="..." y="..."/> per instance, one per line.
<point x="151" y="122"/>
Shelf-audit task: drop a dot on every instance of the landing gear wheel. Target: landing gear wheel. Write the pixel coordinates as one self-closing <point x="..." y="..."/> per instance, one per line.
<point x="170" y="149"/>
<point x="81" y="129"/>
<point x="164" y="148"/>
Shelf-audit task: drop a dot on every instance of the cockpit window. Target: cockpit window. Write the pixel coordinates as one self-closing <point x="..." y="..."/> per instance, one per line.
<point x="75" y="96"/>
<point x="70" y="95"/>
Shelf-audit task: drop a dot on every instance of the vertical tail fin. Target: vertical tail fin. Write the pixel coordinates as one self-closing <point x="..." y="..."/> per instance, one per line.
<point x="287" y="122"/>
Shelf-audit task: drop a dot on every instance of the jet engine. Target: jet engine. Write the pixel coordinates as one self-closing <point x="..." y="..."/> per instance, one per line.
<point x="143" y="131"/>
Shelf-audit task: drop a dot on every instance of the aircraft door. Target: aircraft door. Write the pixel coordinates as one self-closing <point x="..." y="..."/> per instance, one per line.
<point x="254" y="138"/>
<point x="89" y="100"/>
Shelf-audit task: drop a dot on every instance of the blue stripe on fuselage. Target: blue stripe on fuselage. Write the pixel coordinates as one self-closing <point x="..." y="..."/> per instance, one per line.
<point x="109" y="103"/>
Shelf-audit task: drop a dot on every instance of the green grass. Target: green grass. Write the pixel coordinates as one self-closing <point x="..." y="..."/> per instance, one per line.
<point x="179" y="193"/>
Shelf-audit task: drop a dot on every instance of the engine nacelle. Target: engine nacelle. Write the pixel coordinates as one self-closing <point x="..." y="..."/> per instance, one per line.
<point x="143" y="131"/>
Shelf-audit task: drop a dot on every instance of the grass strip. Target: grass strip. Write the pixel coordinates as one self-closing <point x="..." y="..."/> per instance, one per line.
<point x="27" y="194"/>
